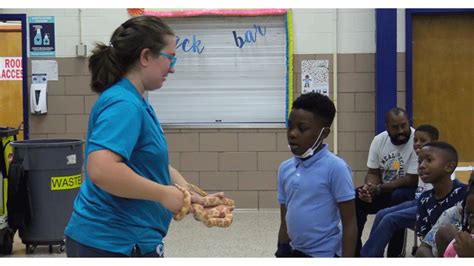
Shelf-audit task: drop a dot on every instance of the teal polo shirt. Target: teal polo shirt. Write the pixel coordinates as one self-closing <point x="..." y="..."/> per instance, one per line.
<point x="122" y="121"/>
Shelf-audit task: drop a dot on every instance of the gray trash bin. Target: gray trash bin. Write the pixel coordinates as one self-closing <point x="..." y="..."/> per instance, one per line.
<point x="53" y="170"/>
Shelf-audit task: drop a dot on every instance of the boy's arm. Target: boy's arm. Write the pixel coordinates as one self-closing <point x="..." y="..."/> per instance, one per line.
<point x="424" y="250"/>
<point x="349" y="227"/>
<point x="283" y="233"/>
<point x="284" y="248"/>
<point x="444" y="235"/>
<point x="464" y="244"/>
<point x="433" y="240"/>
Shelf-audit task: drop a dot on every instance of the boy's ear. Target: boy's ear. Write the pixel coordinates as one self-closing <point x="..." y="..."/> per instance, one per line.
<point x="450" y="166"/>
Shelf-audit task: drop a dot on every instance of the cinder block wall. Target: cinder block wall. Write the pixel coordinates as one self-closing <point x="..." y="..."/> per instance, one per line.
<point x="355" y="106"/>
<point x="241" y="162"/>
<point x="69" y="102"/>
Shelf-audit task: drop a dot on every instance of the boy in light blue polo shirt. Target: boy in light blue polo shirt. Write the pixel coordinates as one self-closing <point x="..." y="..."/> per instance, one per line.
<point x="315" y="189"/>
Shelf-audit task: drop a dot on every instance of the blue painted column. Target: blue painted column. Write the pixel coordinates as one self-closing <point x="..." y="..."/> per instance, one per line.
<point x="386" y="65"/>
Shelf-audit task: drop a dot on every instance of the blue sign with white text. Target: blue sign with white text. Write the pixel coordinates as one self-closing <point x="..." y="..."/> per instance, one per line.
<point x="42" y="37"/>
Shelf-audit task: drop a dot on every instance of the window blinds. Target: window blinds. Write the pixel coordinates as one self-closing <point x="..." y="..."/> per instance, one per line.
<point x="229" y="70"/>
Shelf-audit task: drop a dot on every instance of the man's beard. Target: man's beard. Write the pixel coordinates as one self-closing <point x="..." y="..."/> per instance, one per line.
<point x="395" y="141"/>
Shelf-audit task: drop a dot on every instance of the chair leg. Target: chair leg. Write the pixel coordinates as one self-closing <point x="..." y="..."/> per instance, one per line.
<point x="415" y="245"/>
<point x="403" y="253"/>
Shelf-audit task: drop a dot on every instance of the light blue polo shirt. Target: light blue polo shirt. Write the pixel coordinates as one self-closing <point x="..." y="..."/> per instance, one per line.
<point x="311" y="190"/>
<point x="124" y="122"/>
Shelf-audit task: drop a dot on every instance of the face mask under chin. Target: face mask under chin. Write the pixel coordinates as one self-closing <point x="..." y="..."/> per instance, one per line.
<point x="310" y="151"/>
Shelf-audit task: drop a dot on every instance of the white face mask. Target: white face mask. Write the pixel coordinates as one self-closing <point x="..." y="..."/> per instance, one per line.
<point x="310" y="151"/>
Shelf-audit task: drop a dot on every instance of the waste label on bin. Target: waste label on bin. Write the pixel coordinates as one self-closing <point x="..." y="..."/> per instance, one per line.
<point x="65" y="182"/>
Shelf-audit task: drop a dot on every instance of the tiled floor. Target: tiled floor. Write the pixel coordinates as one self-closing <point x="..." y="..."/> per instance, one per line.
<point x="252" y="234"/>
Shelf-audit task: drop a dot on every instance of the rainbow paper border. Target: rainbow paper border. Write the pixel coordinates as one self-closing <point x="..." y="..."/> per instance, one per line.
<point x="217" y="12"/>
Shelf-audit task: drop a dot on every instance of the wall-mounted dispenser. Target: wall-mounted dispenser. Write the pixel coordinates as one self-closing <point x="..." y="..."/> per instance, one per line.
<point x="38" y="94"/>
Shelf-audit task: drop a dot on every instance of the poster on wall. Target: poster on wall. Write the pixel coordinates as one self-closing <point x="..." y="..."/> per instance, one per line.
<point x="42" y="36"/>
<point x="315" y="76"/>
<point x="50" y="67"/>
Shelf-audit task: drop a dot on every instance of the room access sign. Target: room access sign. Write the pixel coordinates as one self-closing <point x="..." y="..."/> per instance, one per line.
<point x="11" y="68"/>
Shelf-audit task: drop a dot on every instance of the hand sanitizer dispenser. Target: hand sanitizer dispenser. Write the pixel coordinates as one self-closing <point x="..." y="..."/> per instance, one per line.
<point x="38" y="94"/>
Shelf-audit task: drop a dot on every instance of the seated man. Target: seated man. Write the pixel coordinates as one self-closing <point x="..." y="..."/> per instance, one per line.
<point x="392" y="175"/>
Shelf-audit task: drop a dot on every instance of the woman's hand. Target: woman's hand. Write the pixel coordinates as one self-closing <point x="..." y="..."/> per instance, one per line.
<point x="174" y="199"/>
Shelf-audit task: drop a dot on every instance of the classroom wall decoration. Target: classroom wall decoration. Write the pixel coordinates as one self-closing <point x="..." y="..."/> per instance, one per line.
<point x="234" y="67"/>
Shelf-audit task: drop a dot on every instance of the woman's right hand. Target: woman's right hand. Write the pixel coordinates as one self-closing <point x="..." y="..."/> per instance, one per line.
<point x="173" y="200"/>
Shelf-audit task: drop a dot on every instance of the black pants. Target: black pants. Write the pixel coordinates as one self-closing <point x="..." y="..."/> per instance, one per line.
<point x="395" y="247"/>
<point x="76" y="249"/>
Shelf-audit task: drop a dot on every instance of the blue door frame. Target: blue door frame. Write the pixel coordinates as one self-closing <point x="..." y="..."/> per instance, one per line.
<point x="24" y="62"/>
<point x="386" y="60"/>
<point x="386" y="65"/>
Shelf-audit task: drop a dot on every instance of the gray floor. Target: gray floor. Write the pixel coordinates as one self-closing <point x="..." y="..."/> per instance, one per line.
<point x="252" y="234"/>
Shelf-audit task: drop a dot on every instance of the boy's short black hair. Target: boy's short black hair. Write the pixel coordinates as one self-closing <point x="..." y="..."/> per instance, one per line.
<point x="448" y="149"/>
<point x="320" y="105"/>
<point x="431" y="130"/>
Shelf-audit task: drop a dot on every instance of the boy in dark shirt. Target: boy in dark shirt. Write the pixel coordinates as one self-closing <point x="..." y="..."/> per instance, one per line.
<point x="437" y="161"/>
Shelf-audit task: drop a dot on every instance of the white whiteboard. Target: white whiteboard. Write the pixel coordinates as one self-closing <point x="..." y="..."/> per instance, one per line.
<point x="225" y="83"/>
